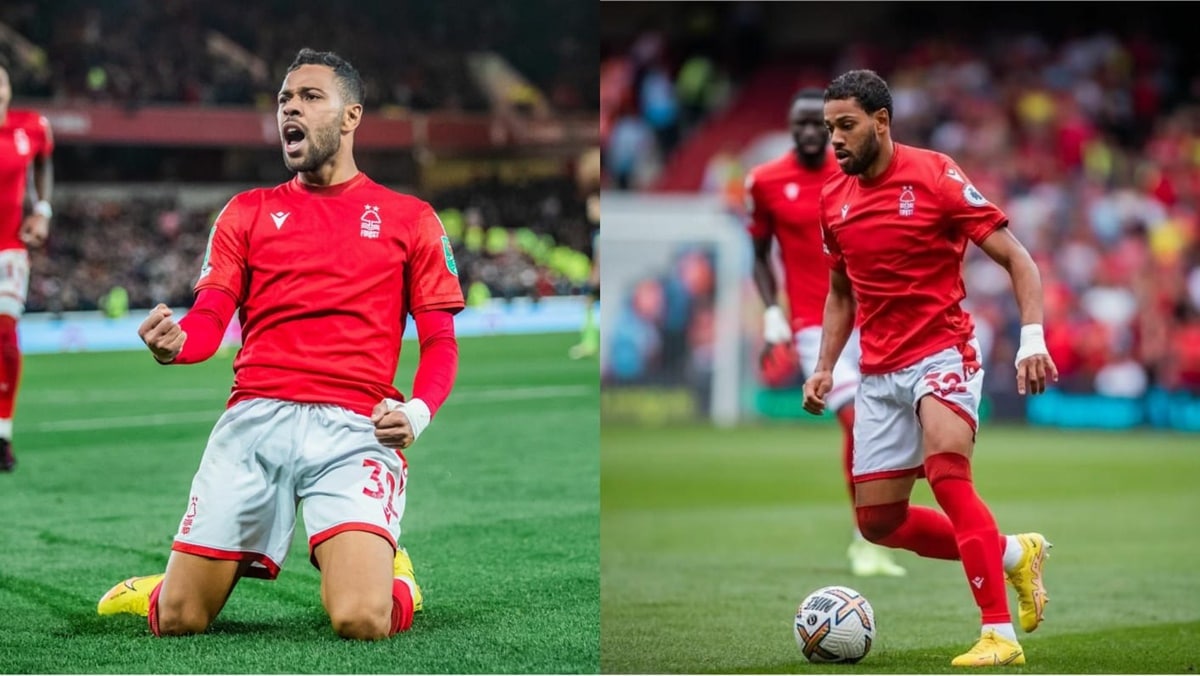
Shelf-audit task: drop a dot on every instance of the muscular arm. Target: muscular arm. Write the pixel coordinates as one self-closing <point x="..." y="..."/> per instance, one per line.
<point x="42" y="184"/>
<point x="764" y="276"/>
<point x="1004" y="248"/>
<point x="36" y="226"/>
<point x="1034" y="364"/>
<point x="839" y="320"/>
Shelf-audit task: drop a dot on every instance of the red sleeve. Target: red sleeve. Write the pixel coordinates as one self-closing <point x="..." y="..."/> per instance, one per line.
<point x="205" y="325"/>
<point x="833" y="253"/>
<point x="224" y="265"/>
<point x="439" y="358"/>
<point x="761" y="225"/>
<point x="966" y="209"/>
<point x="431" y="279"/>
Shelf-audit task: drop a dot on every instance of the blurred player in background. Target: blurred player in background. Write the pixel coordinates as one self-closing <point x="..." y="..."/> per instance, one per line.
<point x="896" y="226"/>
<point x="587" y="177"/>
<point x="782" y="199"/>
<point x="325" y="269"/>
<point x="25" y="143"/>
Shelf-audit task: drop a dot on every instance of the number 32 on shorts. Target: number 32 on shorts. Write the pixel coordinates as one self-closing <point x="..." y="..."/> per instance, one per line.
<point x="376" y="489"/>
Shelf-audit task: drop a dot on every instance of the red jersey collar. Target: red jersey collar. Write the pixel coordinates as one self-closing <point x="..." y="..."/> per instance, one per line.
<point x="335" y="189"/>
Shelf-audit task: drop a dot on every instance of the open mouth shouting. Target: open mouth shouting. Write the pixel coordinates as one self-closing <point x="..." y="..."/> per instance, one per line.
<point x="293" y="135"/>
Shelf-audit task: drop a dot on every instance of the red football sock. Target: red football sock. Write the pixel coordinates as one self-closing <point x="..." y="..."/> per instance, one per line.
<point x="845" y="416"/>
<point x="10" y="366"/>
<point x="975" y="530"/>
<point x="402" y="607"/>
<point x="922" y="530"/>
<point x="152" y="616"/>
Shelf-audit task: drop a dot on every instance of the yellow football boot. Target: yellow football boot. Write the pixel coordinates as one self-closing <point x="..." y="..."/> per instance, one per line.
<point x="402" y="567"/>
<point x="869" y="559"/>
<point x="992" y="650"/>
<point x="1026" y="578"/>
<point x="130" y="597"/>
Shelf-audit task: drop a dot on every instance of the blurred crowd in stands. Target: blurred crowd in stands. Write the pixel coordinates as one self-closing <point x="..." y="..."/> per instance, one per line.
<point x="530" y="239"/>
<point x="1091" y="143"/>
<point x="412" y="55"/>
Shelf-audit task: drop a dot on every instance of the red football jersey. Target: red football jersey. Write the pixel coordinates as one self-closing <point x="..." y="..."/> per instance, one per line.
<point x="783" y="200"/>
<point x="23" y="136"/>
<point x="900" y="238"/>
<point x="324" y="278"/>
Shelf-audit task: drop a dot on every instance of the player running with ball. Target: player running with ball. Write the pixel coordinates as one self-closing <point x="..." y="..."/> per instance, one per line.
<point x="325" y="269"/>
<point x="896" y="226"/>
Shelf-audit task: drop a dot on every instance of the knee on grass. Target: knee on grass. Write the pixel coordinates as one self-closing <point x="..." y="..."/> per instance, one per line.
<point x="362" y="622"/>
<point x="182" y="619"/>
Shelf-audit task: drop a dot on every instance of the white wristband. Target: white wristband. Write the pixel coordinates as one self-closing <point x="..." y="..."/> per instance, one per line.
<point x="42" y="208"/>
<point x="417" y="412"/>
<point x="1033" y="341"/>
<point x="776" y="328"/>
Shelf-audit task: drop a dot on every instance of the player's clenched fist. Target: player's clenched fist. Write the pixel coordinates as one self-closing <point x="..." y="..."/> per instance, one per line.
<point x="162" y="335"/>
<point x="815" y="389"/>
<point x="392" y="427"/>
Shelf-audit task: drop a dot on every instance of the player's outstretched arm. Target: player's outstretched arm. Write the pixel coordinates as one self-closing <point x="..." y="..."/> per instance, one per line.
<point x="399" y="424"/>
<point x="1034" y="365"/>
<point x="835" y="331"/>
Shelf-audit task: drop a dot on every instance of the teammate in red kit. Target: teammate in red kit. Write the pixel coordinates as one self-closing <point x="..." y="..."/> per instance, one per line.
<point x="25" y="140"/>
<point x="323" y="270"/>
<point x="896" y="226"/>
<point x="782" y="199"/>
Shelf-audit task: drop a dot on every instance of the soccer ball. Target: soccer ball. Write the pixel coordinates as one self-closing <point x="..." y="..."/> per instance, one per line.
<point x="835" y="624"/>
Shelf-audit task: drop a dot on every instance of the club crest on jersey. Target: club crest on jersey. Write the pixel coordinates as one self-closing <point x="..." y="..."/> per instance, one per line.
<point x="21" y="140"/>
<point x="908" y="201"/>
<point x="792" y="191"/>
<point x="845" y="210"/>
<point x="370" y="222"/>
<point x="973" y="196"/>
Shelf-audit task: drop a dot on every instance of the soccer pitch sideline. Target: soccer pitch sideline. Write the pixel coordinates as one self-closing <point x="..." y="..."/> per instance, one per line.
<point x="711" y="538"/>
<point x="502" y="522"/>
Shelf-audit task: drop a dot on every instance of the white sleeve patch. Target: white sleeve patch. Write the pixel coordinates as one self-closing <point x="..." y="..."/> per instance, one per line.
<point x="973" y="196"/>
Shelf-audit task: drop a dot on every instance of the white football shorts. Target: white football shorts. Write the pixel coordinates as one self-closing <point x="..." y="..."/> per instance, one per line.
<point x="266" y="456"/>
<point x="887" y="434"/>
<point x="845" y="371"/>
<point x="14" y="281"/>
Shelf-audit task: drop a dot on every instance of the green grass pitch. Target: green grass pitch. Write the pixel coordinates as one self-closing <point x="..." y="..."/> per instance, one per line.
<point x="712" y="537"/>
<point x="502" y="523"/>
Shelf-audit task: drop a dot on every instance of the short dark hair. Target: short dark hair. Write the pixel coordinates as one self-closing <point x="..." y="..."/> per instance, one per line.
<point x="349" y="81"/>
<point x="865" y="85"/>
<point x="808" y="93"/>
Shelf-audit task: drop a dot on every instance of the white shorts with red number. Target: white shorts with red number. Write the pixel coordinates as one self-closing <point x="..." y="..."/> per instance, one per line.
<point x="887" y="433"/>
<point x="845" y="371"/>
<point x="265" y="455"/>
<point x="14" y="281"/>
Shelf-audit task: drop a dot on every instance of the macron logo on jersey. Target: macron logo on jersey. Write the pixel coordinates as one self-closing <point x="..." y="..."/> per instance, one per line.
<point x="279" y="217"/>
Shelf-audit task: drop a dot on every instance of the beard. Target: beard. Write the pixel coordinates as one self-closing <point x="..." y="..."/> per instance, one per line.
<point x="322" y="144"/>
<point x="860" y="161"/>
